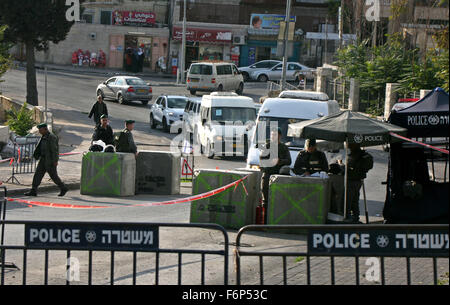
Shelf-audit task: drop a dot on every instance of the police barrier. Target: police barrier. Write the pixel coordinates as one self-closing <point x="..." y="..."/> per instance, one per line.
<point x="23" y="161"/>
<point x="89" y="237"/>
<point x="375" y="243"/>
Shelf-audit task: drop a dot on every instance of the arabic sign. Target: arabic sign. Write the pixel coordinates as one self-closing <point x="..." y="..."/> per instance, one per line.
<point x="92" y="236"/>
<point x="203" y="35"/>
<point x="133" y="18"/>
<point x="380" y="242"/>
<point x="268" y="21"/>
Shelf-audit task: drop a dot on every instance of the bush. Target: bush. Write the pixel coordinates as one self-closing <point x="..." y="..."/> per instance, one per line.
<point x="20" y="121"/>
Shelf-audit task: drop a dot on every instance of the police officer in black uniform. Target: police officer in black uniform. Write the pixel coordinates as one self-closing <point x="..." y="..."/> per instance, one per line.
<point x="310" y="160"/>
<point x="271" y="166"/>
<point x="103" y="131"/>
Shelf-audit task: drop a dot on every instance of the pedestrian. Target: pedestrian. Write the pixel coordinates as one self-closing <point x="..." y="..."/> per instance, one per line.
<point x="141" y="55"/>
<point x="47" y="152"/>
<point x="124" y="141"/>
<point x="103" y="131"/>
<point x="310" y="160"/>
<point x="98" y="109"/>
<point x="272" y="165"/>
<point x="359" y="164"/>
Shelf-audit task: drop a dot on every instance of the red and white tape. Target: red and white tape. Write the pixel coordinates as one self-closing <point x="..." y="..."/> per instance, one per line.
<point x="181" y="200"/>
<point x="419" y="143"/>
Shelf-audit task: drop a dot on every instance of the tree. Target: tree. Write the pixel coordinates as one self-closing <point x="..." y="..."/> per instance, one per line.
<point x="34" y="23"/>
<point x="5" y="60"/>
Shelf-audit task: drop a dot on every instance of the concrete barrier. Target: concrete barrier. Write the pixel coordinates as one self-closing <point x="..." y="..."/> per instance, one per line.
<point x="158" y="172"/>
<point x="108" y="174"/>
<point x="233" y="208"/>
<point x="298" y="200"/>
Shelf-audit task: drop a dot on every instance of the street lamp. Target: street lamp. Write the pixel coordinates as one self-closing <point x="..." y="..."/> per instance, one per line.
<point x="286" y="42"/>
<point x="183" y="45"/>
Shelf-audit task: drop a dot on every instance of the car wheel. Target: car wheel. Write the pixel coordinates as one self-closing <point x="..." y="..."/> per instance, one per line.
<point x="100" y="92"/>
<point x="220" y="88"/>
<point x="245" y="76"/>
<point x="121" y="99"/>
<point x="240" y="90"/>
<point x="152" y="122"/>
<point x="193" y="92"/>
<point x="165" y="126"/>
<point x="263" y="78"/>
<point x="209" y="150"/>
<point x="145" y="103"/>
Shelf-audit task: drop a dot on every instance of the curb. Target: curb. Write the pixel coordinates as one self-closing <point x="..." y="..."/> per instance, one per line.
<point x="42" y="189"/>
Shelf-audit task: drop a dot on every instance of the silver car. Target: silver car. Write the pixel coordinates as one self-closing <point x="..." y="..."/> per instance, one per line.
<point x="125" y="89"/>
<point x="258" y="66"/>
<point x="274" y="74"/>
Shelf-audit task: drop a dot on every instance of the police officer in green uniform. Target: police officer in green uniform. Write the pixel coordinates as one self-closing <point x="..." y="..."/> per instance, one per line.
<point x="359" y="163"/>
<point x="47" y="152"/>
<point x="271" y="165"/>
<point x="310" y="160"/>
<point x="124" y="140"/>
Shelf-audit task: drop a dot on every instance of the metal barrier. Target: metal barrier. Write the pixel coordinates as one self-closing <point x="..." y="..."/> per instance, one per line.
<point x="353" y="242"/>
<point x="110" y="237"/>
<point x="23" y="161"/>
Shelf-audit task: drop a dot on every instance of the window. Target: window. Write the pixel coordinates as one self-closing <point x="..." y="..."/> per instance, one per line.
<point x="201" y="69"/>
<point x="228" y="69"/>
<point x="120" y="82"/>
<point x="135" y="81"/>
<point x="220" y="70"/>
<point x="158" y="101"/>
<point x="111" y="81"/>
<point x="87" y="18"/>
<point x="105" y="17"/>
<point x="235" y="70"/>
<point x="294" y="67"/>
<point x="262" y="65"/>
<point x="233" y="114"/>
<point x="177" y="103"/>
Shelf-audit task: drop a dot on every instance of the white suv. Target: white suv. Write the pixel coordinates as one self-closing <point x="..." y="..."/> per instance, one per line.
<point x="214" y="76"/>
<point x="168" y="112"/>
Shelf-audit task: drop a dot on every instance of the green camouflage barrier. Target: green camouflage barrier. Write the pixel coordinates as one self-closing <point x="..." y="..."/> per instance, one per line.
<point x="233" y="208"/>
<point x="298" y="200"/>
<point x="108" y="174"/>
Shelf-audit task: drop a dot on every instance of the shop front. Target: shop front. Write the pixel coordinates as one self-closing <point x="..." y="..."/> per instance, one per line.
<point x="204" y="44"/>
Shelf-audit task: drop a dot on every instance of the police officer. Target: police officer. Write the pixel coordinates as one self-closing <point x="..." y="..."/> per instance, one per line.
<point x="47" y="152"/>
<point x="124" y="140"/>
<point x="310" y="160"/>
<point x="98" y="109"/>
<point x="103" y="131"/>
<point x="359" y="163"/>
<point x="271" y="165"/>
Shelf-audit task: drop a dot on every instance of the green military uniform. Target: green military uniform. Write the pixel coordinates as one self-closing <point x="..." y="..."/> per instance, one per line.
<point x="47" y="152"/>
<point x="310" y="162"/>
<point x="359" y="163"/>
<point x="125" y="142"/>
<point x="284" y="158"/>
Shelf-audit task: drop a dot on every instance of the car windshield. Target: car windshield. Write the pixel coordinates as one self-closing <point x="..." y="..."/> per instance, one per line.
<point x="229" y="114"/>
<point x="201" y="69"/>
<point x="177" y="103"/>
<point x="135" y="81"/>
<point x="283" y="123"/>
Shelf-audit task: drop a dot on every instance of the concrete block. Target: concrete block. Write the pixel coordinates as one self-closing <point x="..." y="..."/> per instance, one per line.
<point x="233" y="208"/>
<point x="108" y="174"/>
<point x="298" y="200"/>
<point x="4" y="134"/>
<point x="158" y="172"/>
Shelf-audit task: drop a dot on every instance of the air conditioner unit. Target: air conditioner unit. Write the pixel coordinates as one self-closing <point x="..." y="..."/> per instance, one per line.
<point x="239" y="39"/>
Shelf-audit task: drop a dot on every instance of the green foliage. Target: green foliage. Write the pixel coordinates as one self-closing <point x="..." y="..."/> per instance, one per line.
<point x="5" y="60"/>
<point x="20" y="121"/>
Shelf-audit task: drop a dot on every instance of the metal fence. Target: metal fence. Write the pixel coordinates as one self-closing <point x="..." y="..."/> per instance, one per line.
<point x="339" y="90"/>
<point x="23" y="161"/>
<point x="325" y="244"/>
<point x="76" y="240"/>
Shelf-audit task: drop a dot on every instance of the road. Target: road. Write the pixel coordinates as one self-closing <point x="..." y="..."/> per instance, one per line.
<point x="70" y="97"/>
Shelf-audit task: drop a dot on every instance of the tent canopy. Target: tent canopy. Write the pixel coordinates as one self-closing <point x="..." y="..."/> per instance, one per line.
<point x="347" y="125"/>
<point x="429" y="117"/>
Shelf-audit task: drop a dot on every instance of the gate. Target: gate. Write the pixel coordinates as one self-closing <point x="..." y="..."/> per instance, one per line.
<point x="23" y="161"/>
<point x="72" y="246"/>
<point x="334" y="252"/>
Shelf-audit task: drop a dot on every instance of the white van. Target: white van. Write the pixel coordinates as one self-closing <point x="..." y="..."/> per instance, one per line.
<point x="288" y="108"/>
<point x="214" y="76"/>
<point x="226" y="121"/>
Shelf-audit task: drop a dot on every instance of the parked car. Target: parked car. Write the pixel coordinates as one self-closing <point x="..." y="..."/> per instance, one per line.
<point x="125" y="89"/>
<point x="167" y="111"/>
<point x="258" y="66"/>
<point x="214" y="76"/>
<point x="191" y="116"/>
<point x="226" y="121"/>
<point x="275" y="73"/>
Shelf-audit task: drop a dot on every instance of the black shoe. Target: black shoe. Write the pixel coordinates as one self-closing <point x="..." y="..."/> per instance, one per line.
<point x="31" y="193"/>
<point x="63" y="192"/>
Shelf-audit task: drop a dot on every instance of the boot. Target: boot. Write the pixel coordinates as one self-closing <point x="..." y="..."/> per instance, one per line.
<point x="63" y="191"/>
<point x="32" y="192"/>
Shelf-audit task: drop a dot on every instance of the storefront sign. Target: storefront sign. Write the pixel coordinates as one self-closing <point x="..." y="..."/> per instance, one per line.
<point x="268" y="21"/>
<point x="93" y="236"/>
<point x="203" y="35"/>
<point x="133" y="18"/>
<point x="380" y="242"/>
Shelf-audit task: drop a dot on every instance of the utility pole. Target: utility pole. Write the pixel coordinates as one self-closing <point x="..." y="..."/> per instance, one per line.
<point x="286" y="43"/>
<point x="183" y="45"/>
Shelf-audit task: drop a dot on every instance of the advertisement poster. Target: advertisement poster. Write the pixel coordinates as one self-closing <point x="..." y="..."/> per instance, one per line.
<point x="133" y="18"/>
<point x="268" y="21"/>
<point x="251" y="55"/>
